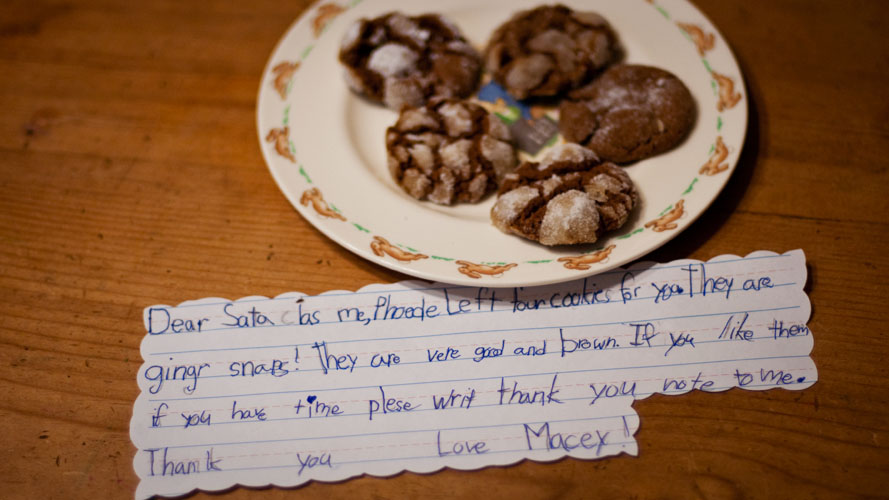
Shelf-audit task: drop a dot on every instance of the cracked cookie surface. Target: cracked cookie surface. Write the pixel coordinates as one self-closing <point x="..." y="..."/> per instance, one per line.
<point x="570" y="197"/>
<point x="629" y="113"/>
<point x="549" y="50"/>
<point x="401" y="61"/>
<point x="449" y="151"/>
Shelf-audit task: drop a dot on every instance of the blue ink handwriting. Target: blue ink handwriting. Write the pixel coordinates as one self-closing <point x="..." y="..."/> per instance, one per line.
<point x="757" y="285"/>
<point x="612" y="391"/>
<point x="707" y="285"/>
<point x="384" y="310"/>
<point x="571" y="345"/>
<point x="312" y="461"/>
<point x="378" y="360"/>
<point x="626" y="293"/>
<point x="192" y="419"/>
<point x="461" y="447"/>
<point x="736" y="332"/>
<point x="277" y="368"/>
<point x="531" y="350"/>
<point x="644" y="333"/>
<point x="171" y="467"/>
<point x="352" y="314"/>
<point x="156" y="418"/>
<point x="671" y="384"/>
<point x="303" y="318"/>
<point x="451" y="400"/>
<point x="492" y="299"/>
<point x="333" y="362"/>
<point x="254" y="414"/>
<point x="388" y="405"/>
<point x="482" y="352"/>
<point x="680" y="340"/>
<point x="522" y="397"/>
<point x="664" y="293"/>
<point x="462" y="307"/>
<point x="252" y="319"/>
<point x="159" y="374"/>
<point x="448" y="354"/>
<point x="160" y="321"/>
<point x="317" y="408"/>
<point x="778" y="330"/>
<point x="567" y="442"/>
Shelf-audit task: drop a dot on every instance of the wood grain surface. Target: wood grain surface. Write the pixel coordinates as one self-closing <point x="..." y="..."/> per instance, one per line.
<point x="131" y="174"/>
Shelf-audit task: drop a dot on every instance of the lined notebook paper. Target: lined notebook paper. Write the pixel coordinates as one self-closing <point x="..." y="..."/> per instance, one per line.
<point x="418" y="376"/>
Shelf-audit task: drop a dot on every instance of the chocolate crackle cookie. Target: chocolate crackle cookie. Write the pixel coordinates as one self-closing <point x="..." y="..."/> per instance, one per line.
<point x="399" y="60"/>
<point x="629" y="113"/>
<point x="448" y="151"/>
<point x="570" y="197"/>
<point x="550" y="50"/>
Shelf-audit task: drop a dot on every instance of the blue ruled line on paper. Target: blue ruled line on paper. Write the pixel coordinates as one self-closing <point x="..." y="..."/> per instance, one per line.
<point x="409" y="431"/>
<point x="520" y="375"/>
<point x="550" y="456"/>
<point x="656" y="267"/>
<point x="473" y="332"/>
<point x="359" y="414"/>
<point x="363" y="414"/>
<point x="504" y="356"/>
<point x="553" y="378"/>
<point x="615" y="301"/>
<point x="558" y="453"/>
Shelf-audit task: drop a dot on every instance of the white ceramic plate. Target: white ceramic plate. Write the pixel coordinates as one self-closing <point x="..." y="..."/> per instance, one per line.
<point x="325" y="147"/>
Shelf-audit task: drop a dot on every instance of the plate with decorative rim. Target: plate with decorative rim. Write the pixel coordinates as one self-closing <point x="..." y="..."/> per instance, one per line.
<point x="325" y="146"/>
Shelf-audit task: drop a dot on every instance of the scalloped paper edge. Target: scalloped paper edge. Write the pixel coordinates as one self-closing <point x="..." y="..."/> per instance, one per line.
<point x="204" y="483"/>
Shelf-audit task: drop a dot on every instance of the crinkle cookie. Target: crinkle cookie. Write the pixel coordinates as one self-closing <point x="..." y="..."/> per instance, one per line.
<point x="449" y="151"/>
<point x="629" y="113"/>
<point x="399" y="60"/>
<point x="550" y="50"/>
<point x="570" y="197"/>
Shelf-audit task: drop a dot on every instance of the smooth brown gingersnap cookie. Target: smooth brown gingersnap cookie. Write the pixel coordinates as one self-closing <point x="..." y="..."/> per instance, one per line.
<point x="405" y="61"/>
<point x="629" y="113"/>
<point x="450" y="150"/>
<point x="570" y="197"/>
<point x="549" y="50"/>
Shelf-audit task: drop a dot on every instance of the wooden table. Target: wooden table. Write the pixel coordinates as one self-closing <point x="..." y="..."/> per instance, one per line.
<point x="130" y="175"/>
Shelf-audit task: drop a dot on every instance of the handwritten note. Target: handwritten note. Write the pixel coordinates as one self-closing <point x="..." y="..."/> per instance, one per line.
<point x="418" y="376"/>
